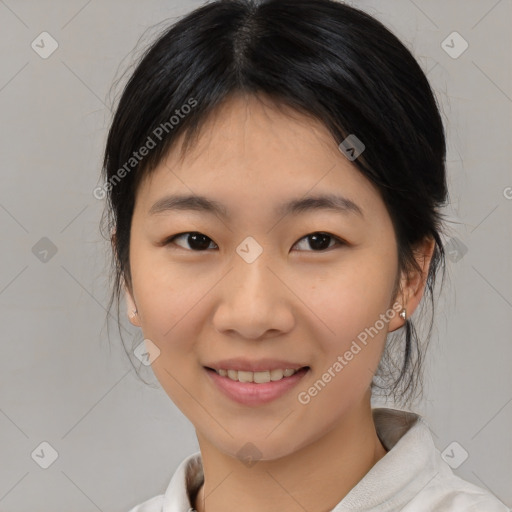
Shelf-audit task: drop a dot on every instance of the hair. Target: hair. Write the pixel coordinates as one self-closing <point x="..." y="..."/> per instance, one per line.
<point x="323" y="59"/>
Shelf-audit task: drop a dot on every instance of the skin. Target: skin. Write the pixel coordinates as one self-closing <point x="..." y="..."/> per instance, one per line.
<point x="293" y="302"/>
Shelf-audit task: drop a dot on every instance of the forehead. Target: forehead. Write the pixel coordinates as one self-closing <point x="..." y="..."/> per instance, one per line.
<point x="251" y="150"/>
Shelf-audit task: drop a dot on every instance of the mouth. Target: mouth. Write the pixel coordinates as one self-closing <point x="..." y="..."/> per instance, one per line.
<point x="261" y="377"/>
<point x="255" y="388"/>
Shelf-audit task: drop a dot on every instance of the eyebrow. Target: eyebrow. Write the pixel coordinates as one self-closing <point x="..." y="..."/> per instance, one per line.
<point x="197" y="203"/>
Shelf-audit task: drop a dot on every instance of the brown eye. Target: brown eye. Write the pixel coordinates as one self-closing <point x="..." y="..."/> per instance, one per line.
<point x="196" y="241"/>
<point x="317" y="242"/>
<point x="320" y="241"/>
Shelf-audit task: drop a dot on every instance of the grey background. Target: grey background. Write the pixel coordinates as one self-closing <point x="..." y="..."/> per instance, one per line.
<point x="62" y="381"/>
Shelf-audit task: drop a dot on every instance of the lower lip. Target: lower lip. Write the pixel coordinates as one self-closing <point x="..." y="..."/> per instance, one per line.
<point x="249" y="393"/>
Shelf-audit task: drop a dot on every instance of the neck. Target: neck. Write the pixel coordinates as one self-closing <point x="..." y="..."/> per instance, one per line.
<point x="316" y="477"/>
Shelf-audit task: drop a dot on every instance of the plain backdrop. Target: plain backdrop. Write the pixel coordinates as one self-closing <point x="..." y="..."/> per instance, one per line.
<point x="117" y="441"/>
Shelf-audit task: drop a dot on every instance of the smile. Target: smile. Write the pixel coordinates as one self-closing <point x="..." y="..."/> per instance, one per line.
<point x="255" y="388"/>
<point x="257" y="377"/>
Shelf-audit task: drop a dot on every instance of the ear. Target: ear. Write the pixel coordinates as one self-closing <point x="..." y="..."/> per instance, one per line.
<point x="131" y="306"/>
<point x="412" y="286"/>
<point x="130" y="302"/>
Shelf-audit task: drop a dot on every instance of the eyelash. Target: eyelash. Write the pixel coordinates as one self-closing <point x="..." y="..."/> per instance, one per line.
<point x="339" y="241"/>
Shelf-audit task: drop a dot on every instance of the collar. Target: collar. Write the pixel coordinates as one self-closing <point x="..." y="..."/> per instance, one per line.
<point x="408" y="466"/>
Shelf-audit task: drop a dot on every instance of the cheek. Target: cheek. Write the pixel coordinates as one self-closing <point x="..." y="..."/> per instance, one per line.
<point x="168" y="300"/>
<point x="349" y="342"/>
<point x="350" y="322"/>
<point x="351" y="299"/>
<point x="167" y="292"/>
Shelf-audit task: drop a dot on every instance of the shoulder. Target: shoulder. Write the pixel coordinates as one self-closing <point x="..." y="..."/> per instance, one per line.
<point x="447" y="492"/>
<point x="154" y="504"/>
<point x="421" y="481"/>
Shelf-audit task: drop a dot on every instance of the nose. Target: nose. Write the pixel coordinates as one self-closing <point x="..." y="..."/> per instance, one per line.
<point x="254" y="301"/>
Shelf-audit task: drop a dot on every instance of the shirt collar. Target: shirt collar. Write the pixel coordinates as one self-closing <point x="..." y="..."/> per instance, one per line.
<point x="394" y="480"/>
<point x="409" y="465"/>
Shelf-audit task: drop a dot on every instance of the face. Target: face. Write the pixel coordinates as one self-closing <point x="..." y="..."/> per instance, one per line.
<point x="261" y="283"/>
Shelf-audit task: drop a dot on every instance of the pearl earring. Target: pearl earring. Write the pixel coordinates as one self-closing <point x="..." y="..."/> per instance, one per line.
<point x="403" y="314"/>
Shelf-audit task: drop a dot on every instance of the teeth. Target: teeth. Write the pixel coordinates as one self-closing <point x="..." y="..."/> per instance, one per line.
<point x="257" y="377"/>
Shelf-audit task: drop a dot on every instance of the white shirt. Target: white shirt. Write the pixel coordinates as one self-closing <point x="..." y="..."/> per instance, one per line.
<point x="411" y="477"/>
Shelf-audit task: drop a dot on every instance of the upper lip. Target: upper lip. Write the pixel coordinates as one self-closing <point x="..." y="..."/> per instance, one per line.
<point x="245" y="365"/>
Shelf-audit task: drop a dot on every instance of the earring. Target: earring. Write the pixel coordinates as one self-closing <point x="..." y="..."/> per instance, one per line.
<point x="403" y="314"/>
<point x="134" y="312"/>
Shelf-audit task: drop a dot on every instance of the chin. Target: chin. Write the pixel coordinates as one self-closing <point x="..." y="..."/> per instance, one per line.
<point x="251" y="449"/>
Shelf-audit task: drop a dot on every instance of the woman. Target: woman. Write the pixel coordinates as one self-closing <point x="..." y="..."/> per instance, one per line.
<point x="275" y="172"/>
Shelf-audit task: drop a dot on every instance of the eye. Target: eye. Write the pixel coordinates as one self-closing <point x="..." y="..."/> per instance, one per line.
<point x="319" y="241"/>
<point x="197" y="241"/>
